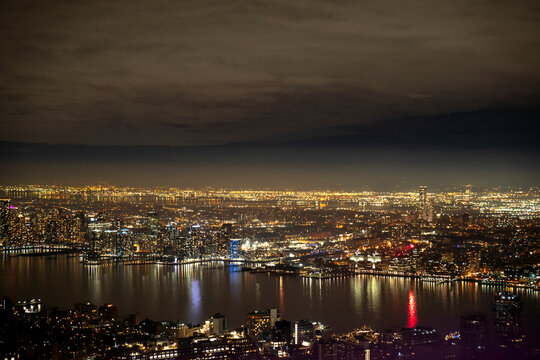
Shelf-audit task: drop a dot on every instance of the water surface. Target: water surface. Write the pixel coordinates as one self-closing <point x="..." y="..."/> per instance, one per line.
<point x="191" y="293"/>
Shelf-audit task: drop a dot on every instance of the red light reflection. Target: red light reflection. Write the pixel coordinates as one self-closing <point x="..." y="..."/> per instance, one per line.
<point x="412" y="319"/>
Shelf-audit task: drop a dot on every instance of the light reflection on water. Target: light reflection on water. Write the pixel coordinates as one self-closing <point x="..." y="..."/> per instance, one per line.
<point x="191" y="293"/>
<point x="412" y="320"/>
<point x="196" y="300"/>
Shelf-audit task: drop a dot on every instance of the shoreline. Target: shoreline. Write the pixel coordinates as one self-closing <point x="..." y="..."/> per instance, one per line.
<point x="441" y="279"/>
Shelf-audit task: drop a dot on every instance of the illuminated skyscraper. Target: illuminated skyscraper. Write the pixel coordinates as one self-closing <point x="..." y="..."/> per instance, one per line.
<point x="233" y="248"/>
<point x="192" y="245"/>
<point x="422" y="193"/>
<point x="152" y="222"/>
<point x="425" y="209"/>
<point x="259" y="323"/>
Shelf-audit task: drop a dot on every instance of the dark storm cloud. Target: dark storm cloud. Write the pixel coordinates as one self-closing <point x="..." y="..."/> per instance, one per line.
<point x="213" y="72"/>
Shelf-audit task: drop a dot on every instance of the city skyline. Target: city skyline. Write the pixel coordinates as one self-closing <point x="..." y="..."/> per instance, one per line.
<point x="269" y="179"/>
<point x="362" y="274"/>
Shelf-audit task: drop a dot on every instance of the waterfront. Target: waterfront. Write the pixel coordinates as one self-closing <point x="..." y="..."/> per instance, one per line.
<point x="191" y="293"/>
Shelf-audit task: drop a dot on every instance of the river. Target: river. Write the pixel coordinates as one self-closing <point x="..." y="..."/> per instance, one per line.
<point x="192" y="293"/>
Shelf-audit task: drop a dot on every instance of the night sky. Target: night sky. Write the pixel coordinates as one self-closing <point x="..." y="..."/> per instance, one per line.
<point x="386" y="94"/>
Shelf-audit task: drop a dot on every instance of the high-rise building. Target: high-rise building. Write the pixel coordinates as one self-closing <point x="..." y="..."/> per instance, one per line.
<point x="192" y="245"/>
<point x="4" y="219"/>
<point x="507" y="316"/>
<point x="422" y="194"/>
<point x="174" y="234"/>
<point x="52" y="226"/>
<point x="223" y="241"/>
<point x="218" y="324"/>
<point x="117" y="242"/>
<point x="473" y="330"/>
<point x="226" y="230"/>
<point x="259" y="323"/>
<point x="234" y="244"/>
<point x="152" y="222"/>
<point x="425" y="208"/>
<point x="281" y="333"/>
<point x="303" y="330"/>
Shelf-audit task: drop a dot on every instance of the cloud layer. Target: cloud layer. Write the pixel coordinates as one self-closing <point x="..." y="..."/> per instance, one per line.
<point x="198" y="72"/>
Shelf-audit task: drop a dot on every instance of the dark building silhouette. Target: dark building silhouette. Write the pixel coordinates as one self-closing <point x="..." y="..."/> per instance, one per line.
<point x="474" y="332"/>
<point x="507" y="317"/>
<point x="281" y="333"/>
